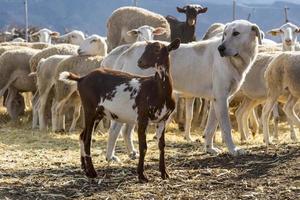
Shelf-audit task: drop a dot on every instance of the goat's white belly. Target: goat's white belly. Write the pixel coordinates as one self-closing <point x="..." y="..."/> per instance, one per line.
<point x="121" y="107"/>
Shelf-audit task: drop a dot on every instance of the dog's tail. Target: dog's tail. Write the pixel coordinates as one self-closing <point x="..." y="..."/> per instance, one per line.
<point x="69" y="78"/>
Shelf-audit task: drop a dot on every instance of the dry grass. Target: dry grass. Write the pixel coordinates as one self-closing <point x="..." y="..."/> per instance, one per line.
<point x="36" y="165"/>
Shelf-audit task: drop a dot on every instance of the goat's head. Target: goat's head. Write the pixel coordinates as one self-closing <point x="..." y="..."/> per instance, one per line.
<point x="191" y="11"/>
<point x="288" y="33"/>
<point x="93" y="45"/>
<point x="238" y="37"/>
<point x="73" y="37"/>
<point x="156" y="53"/>
<point x="146" y="32"/>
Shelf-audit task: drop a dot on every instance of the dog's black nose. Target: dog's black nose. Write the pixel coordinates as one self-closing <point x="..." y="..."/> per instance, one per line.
<point x="221" y="48"/>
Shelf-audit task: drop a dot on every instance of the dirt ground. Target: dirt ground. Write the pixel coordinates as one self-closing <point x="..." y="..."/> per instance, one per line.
<point x="40" y="165"/>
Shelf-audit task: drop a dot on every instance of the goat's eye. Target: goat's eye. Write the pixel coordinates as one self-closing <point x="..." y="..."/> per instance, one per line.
<point x="235" y="33"/>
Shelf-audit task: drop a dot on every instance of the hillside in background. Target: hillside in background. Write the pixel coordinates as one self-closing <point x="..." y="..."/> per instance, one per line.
<point x="91" y="15"/>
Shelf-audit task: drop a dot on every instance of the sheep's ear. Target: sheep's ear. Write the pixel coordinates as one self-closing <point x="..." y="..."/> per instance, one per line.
<point x="202" y="10"/>
<point x="274" y="32"/>
<point x="133" y="32"/>
<point x="256" y="29"/>
<point x="181" y="10"/>
<point x="298" y="30"/>
<point x="54" y="34"/>
<point x="159" y="31"/>
<point x="174" y="45"/>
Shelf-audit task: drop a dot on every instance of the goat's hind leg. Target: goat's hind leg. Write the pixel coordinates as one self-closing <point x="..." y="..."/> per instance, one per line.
<point x="85" y="145"/>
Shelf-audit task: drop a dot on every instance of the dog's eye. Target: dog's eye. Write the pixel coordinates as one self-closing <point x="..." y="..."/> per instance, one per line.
<point x="235" y="33"/>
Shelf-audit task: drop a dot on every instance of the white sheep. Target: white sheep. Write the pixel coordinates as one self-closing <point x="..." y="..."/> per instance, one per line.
<point x="126" y="18"/>
<point x="142" y="33"/>
<point x="33" y="45"/>
<point x="60" y="49"/>
<point x="74" y="37"/>
<point x="282" y="77"/>
<point x="91" y="53"/>
<point x="45" y="35"/>
<point x="45" y="76"/>
<point x="14" y="67"/>
<point x="288" y="33"/>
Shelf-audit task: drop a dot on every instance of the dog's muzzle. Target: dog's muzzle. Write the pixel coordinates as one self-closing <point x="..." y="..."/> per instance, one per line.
<point x="221" y="50"/>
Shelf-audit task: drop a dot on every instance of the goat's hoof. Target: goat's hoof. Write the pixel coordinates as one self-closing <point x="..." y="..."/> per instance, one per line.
<point x="89" y="168"/>
<point x="237" y="152"/>
<point x="133" y="155"/>
<point x="143" y="178"/>
<point x="213" y="151"/>
<point x="165" y="175"/>
<point x="113" y="159"/>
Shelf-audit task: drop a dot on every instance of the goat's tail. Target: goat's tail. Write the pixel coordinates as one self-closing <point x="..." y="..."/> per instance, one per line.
<point x="69" y="78"/>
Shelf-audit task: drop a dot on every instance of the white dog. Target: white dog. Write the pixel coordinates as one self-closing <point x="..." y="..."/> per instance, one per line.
<point x="213" y="69"/>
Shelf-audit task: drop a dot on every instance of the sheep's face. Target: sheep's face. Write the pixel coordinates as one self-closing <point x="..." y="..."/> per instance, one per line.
<point x="15" y="105"/>
<point x="156" y="54"/>
<point x="288" y="33"/>
<point x="146" y="33"/>
<point x="191" y="11"/>
<point x="239" y="36"/>
<point x="44" y="35"/>
<point x="93" y="45"/>
<point x="73" y="37"/>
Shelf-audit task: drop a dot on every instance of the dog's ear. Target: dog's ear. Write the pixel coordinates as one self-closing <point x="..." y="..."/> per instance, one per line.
<point x="256" y="29"/>
<point x="174" y="45"/>
<point x="181" y="10"/>
<point x="223" y="33"/>
<point x="274" y="32"/>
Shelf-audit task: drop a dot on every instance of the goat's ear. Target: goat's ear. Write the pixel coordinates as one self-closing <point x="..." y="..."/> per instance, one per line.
<point x="256" y="29"/>
<point x="181" y="10"/>
<point x="174" y="45"/>
<point x="274" y="32"/>
<point x="133" y="32"/>
<point x="202" y="10"/>
<point x="159" y="31"/>
<point x="55" y="34"/>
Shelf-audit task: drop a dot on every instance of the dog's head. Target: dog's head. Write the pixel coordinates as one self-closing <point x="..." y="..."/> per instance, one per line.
<point x="239" y="36"/>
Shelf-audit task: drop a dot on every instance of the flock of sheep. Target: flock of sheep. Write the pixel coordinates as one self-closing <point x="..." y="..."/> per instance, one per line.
<point x="232" y="62"/>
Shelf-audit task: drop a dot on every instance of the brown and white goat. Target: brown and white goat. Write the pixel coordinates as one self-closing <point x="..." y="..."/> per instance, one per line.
<point x="128" y="98"/>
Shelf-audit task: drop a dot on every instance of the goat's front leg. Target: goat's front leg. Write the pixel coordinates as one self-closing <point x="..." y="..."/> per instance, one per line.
<point x="142" y="126"/>
<point x="161" y="144"/>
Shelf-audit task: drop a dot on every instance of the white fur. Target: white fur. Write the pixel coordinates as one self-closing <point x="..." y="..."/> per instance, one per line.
<point x="93" y="45"/>
<point x="74" y="37"/>
<point x="64" y="77"/>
